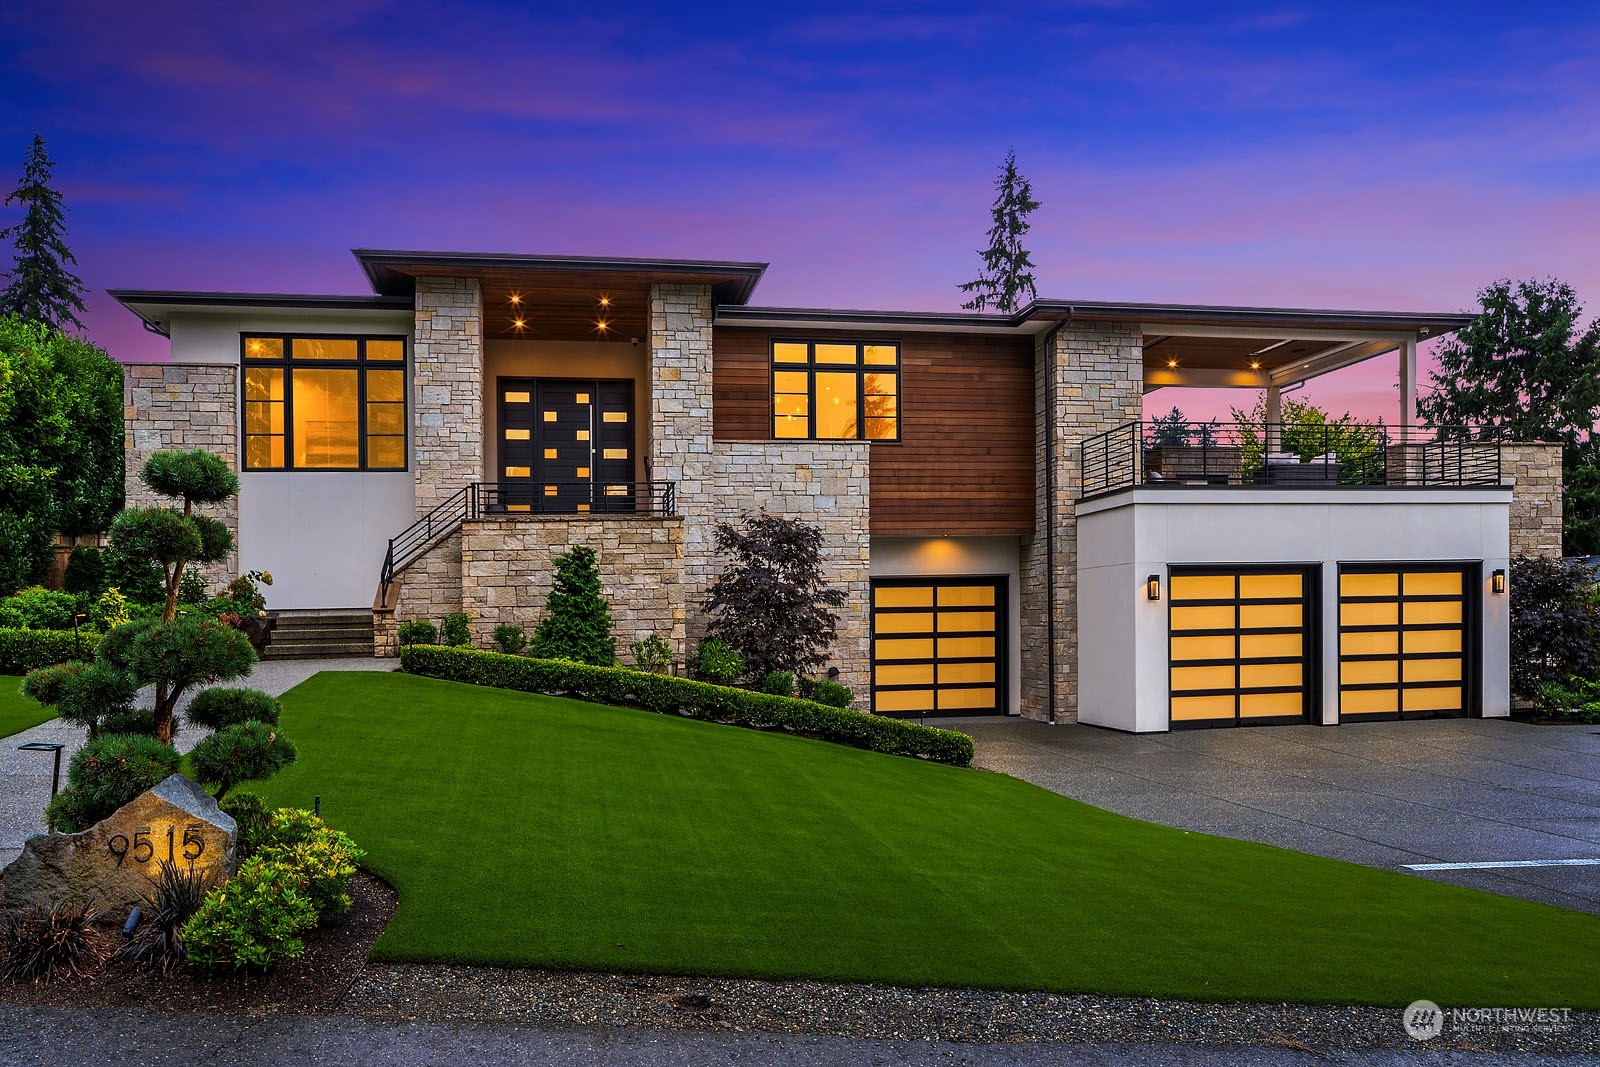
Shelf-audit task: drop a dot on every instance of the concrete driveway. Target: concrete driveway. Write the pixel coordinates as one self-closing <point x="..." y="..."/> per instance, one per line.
<point x="1390" y="794"/>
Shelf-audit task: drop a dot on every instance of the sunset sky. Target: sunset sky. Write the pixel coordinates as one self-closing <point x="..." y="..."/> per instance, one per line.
<point x="1367" y="155"/>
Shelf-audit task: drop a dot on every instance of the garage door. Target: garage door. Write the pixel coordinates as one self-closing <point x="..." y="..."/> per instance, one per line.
<point x="1403" y="642"/>
<point x="938" y="646"/>
<point x="1239" y="646"/>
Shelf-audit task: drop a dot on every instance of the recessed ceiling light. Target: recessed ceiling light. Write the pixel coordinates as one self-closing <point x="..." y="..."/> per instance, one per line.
<point x="1172" y="363"/>
<point x="605" y="301"/>
<point x="516" y="298"/>
<point x="518" y="323"/>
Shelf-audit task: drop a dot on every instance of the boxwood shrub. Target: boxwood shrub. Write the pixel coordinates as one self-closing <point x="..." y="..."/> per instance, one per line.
<point x="22" y="651"/>
<point x="696" y="700"/>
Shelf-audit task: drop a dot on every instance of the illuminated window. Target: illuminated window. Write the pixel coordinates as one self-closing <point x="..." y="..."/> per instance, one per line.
<point x="324" y="403"/>
<point x="836" y="390"/>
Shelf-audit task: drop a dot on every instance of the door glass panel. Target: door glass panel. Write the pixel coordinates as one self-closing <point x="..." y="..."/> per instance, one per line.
<point x="1190" y="709"/>
<point x="1369" y="671"/>
<point x="903" y="596"/>
<point x="517" y="398"/>
<point x="965" y="647"/>
<point x="1275" y="704"/>
<point x="519" y="472"/>
<point x="1219" y="617"/>
<point x="1202" y="587"/>
<point x="905" y="700"/>
<point x="1424" y="611"/>
<point x="1359" y="584"/>
<point x="965" y="672"/>
<point x="1369" y="701"/>
<point x="1381" y="643"/>
<point x="1445" y="698"/>
<point x="1269" y="586"/>
<point x="965" y="699"/>
<point x="905" y="674"/>
<point x="1432" y="583"/>
<point x="1189" y="678"/>
<point x="966" y="622"/>
<point x="1220" y="646"/>
<point x="1432" y="640"/>
<point x="913" y="622"/>
<point x="1268" y="616"/>
<point x="615" y="416"/>
<point x="1261" y="646"/>
<point x="1369" y="614"/>
<point x="1269" y="675"/>
<point x="519" y="435"/>
<point x="966" y="596"/>
<point x="904" y="648"/>
<point x="1433" y="670"/>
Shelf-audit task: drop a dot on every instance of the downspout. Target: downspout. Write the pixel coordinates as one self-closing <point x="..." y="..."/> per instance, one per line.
<point x="1050" y="517"/>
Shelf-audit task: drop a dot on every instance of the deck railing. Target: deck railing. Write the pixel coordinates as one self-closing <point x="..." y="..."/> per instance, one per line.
<point x="477" y="500"/>
<point x="1222" y="453"/>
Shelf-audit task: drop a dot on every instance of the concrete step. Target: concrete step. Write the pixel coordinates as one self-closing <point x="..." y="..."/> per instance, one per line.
<point x="317" y="649"/>
<point x="323" y="633"/>
<point x="328" y="632"/>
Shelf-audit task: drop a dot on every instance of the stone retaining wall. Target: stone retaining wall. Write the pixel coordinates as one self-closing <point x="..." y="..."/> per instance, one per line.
<point x="1533" y="470"/>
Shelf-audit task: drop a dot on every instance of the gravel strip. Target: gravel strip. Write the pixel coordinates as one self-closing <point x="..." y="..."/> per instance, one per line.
<point x="403" y="992"/>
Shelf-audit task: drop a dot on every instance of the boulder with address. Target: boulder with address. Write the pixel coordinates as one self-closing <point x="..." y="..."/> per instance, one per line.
<point x="115" y="861"/>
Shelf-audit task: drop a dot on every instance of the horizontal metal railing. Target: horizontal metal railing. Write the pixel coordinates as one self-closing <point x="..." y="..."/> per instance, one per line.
<point x="478" y="499"/>
<point x="1293" y="454"/>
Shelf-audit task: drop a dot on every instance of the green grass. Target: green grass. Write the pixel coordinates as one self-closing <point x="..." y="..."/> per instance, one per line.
<point x="17" y="712"/>
<point x="527" y="830"/>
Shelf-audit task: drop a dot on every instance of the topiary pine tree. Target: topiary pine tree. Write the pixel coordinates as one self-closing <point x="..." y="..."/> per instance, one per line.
<point x="578" y="623"/>
<point x="1007" y="268"/>
<point x="174" y="539"/>
<point x="774" y="604"/>
<point x="41" y="289"/>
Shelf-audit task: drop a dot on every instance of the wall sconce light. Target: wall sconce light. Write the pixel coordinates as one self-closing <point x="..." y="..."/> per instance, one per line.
<point x="1152" y="587"/>
<point x="1497" y="581"/>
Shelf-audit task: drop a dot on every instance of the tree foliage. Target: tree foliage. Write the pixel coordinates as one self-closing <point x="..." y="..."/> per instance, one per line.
<point x="577" y="625"/>
<point x="773" y="603"/>
<point x="41" y="288"/>
<point x="168" y="537"/>
<point x="1007" y="268"/>
<point x="1526" y="369"/>
<point x="60" y="444"/>
<point x="1309" y="432"/>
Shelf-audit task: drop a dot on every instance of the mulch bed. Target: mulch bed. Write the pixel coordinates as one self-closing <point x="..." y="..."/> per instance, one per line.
<point x="336" y="952"/>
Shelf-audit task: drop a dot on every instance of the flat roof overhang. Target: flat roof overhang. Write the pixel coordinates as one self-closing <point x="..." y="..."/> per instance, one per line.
<point x="154" y="307"/>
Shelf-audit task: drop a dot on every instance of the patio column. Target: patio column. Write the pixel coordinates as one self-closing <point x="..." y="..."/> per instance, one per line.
<point x="1408" y="386"/>
<point x="1274" y="416"/>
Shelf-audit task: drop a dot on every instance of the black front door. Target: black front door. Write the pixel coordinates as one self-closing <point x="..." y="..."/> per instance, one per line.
<point x="566" y="445"/>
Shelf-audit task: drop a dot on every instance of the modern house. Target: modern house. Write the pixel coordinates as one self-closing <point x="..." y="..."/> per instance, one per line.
<point x="1012" y="536"/>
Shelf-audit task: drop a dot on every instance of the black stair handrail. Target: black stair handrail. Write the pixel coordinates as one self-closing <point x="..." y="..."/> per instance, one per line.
<point x="476" y="499"/>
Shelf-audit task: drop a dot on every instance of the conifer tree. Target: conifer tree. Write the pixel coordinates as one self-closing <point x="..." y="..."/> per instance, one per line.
<point x="578" y="624"/>
<point x="1007" y="269"/>
<point x="41" y="288"/>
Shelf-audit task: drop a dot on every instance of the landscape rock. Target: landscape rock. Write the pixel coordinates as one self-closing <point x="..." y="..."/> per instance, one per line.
<point x="115" y="861"/>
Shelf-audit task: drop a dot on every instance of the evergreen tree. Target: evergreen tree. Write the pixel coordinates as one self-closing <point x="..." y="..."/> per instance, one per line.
<point x="42" y="289"/>
<point x="1007" y="269"/>
<point x="578" y="623"/>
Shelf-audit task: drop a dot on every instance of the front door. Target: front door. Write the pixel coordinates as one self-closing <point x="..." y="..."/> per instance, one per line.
<point x="566" y="445"/>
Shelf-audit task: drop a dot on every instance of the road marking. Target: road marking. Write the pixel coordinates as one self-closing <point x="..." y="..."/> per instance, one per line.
<point x="1492" y="864"/>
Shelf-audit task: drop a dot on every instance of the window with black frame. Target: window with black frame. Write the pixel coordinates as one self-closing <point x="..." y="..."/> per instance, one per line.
<point x="836" y="390"/>
<point x="324" y="402"/>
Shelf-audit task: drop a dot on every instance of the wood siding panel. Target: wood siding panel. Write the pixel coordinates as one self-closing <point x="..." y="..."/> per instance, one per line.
<point x="964" y="464"/>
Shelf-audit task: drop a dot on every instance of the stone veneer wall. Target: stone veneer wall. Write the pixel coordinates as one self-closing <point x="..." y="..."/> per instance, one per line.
<point x="1098" y="373"/>
<point x="447" y="364"/>
<point x="824" y="483"/>
<point x="429" y="589"/>
<point x="182" y="405"/>
<point x="1533" y="470"/>
<point x="508" y="565"/>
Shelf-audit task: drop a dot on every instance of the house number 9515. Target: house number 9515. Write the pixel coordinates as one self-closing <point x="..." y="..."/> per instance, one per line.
<point x="142" y="849"/>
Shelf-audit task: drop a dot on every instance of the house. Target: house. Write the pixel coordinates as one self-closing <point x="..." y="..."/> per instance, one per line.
<point x="1010" y="534"/>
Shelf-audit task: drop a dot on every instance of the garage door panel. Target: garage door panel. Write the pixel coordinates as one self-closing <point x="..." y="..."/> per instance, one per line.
<point x="937" y="646"/>
<point x="1407" y="633"/>
<point x="1253" y="665"/>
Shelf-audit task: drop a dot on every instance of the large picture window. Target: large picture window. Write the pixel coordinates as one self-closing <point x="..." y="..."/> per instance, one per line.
<point x="324" y="403"/>
<point x="836" y="390"/>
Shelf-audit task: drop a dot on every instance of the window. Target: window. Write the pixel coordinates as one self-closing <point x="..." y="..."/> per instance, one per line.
<point x="833" y="390"/>
<point x="324" y="403"/>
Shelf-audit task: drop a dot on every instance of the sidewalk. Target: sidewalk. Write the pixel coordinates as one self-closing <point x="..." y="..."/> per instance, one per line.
<point x="25" y="776"/>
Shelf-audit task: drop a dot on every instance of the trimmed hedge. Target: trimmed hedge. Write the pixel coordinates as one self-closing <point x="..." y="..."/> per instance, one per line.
<point x="22" y="651"/>
<point x="697" y="700"/>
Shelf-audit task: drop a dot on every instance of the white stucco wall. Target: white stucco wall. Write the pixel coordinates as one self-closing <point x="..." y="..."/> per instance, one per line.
<point x="1122" y="652"/>
<point x="971" y="557"/>
<point x="321" y="534"/>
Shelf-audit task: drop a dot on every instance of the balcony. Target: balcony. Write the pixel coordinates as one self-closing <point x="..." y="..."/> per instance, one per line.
<point x="1298" y="456"/>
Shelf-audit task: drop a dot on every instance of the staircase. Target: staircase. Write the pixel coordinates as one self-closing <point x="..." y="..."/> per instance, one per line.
<point x="328" y="632"/>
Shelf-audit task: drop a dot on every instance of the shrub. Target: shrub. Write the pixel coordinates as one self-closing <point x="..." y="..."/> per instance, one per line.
<point x="577" y="625"/>
<point x="131" y="721"/>
<point x="652" y="654"/>
<point x="778" y="683"/>
<point x="41" y="609"/>
<point x="176" y="656"/>
<point x="456" y="632"/>
<point x="325" y="858"/>
<point x="249" y="813"/>
<point x="110" y="610"/>
<point x="84" y="694"/>
<point x="86" y="572"/>
<point x="699" y="700"/>
<point x="139" y="579"/>
<point x="510" y="639"/>
<point x="242" y="752"/>
<point x="191" y="589"/>
<point x="22" y="651"/>
<point x="418" y="632"/>
<point x="105" y="774"/>
<point x="252" y="920"/>
<point x="717" y="662"/>
<point x="1576" y="700"/>
<point x="773" y="603"/>
<point x="37" y="942"/>
<point x="827" y="692"/>
<point x="1555" y="624"/>
<point x="224" y="706"/>
<point x="244" y="592"/>
<point x="172" y="900"/>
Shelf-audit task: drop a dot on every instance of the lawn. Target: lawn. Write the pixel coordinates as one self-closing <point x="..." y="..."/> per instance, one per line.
<point x="527" y="830"/>
<point x="17" y="712"/>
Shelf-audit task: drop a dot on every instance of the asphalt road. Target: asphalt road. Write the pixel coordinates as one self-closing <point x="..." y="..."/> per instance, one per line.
<point x="47" y="1037"/>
